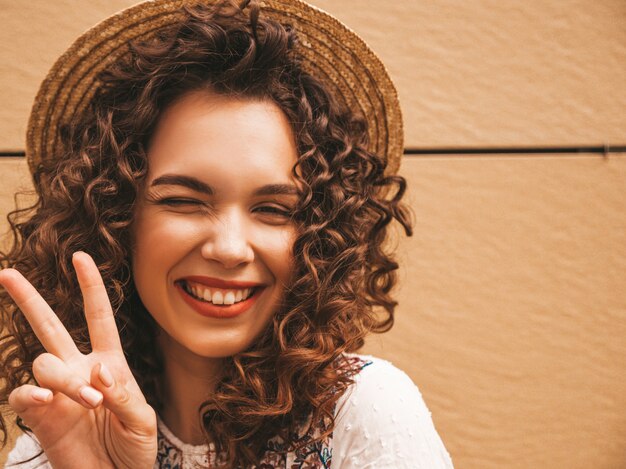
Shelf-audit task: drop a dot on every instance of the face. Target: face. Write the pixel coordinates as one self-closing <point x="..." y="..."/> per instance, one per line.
<point x="212" y="234"/>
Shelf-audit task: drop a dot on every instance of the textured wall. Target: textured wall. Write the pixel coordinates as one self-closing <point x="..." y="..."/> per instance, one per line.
<point x="513" y="308"/>
<point x="512" y="312"/>
<point x="478" y="72"/>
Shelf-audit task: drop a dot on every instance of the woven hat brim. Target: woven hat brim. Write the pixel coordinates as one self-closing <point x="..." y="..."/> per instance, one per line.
<point x="329" y="50"/>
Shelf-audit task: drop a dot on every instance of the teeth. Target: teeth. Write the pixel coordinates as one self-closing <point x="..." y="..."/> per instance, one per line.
<point x="229" y="298"/>
<point x="218" y="297"/>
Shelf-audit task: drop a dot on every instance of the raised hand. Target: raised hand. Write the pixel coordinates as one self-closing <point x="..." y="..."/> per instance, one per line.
<point x="87" y="410"/>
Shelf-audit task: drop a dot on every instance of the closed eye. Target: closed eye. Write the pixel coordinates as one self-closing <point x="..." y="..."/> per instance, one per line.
<point x="176" y="202"/>
<point x="273" y="210"/>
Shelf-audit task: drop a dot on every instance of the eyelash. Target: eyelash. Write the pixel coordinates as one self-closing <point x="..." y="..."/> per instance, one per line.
<point x="175" y="202"/>
<point x="269" y="209"/>
<point x="273" y="210"/>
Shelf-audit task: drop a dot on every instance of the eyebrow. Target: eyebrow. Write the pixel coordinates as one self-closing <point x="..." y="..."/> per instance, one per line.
<point x="185" y="181"/>
<point x="199" y="186"/>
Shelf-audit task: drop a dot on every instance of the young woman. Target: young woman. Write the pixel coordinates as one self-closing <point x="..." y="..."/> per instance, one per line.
<point x="215" y="185"/>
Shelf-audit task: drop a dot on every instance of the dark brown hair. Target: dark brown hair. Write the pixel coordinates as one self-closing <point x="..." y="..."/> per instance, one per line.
<point x="343" y="277"/>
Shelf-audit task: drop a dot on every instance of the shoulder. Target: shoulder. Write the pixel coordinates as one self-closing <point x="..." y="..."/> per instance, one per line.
<point x="380" y="388"/>
<point x="27" y="454"/>
<point x="382" y="421"/>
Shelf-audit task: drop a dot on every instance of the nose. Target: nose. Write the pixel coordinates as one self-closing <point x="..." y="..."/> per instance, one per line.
<point x="228" y="242"/>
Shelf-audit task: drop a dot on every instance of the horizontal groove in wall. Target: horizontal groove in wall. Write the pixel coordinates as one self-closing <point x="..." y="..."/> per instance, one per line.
<point x="604" y="150"/>
<point x="601" y="149"/>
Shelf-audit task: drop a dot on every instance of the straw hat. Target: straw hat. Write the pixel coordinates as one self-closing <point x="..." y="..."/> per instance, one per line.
<point x="329" y="51"/>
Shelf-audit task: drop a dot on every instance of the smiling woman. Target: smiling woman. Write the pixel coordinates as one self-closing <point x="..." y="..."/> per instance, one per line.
<point x="206" y="253"/>
<point x="228" y="231"/>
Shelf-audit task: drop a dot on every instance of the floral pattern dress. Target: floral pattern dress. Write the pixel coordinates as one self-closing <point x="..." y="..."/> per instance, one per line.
<point x="314" y="453"/>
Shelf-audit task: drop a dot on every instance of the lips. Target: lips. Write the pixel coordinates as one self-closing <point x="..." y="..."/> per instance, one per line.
<point x="198" y="292"/>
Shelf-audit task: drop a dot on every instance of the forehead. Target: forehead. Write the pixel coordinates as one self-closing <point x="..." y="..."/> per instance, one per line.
<point x="210" y="135"/>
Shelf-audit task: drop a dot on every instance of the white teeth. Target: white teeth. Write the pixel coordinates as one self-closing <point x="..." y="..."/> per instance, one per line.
<point x="217" y="298"/>
<point x="229" y="298"/>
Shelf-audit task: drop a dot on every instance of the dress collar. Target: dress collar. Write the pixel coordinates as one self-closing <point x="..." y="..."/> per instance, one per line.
<point x="187" y="449"/>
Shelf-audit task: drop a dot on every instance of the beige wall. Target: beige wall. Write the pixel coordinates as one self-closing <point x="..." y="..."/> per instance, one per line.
<point x="512" y="315"/>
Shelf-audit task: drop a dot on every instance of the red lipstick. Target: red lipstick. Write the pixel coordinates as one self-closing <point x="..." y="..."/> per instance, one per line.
<point x="219" y="311"/>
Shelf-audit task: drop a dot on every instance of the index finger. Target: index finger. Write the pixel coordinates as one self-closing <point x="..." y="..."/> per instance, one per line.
<point x="45" y="323"/>
<point x="98" y="312"/>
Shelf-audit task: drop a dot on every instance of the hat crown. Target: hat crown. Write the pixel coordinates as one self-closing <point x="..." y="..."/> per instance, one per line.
<point x="329" y="51"/>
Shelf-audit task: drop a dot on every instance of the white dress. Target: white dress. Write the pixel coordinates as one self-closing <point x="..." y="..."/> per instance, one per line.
<point x="382" y="422"/>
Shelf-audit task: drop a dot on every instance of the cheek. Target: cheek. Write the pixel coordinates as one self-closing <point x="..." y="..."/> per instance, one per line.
<point x="156" y="234"/>
<point x="157" y="245"/>
<point x="277" y="249"/>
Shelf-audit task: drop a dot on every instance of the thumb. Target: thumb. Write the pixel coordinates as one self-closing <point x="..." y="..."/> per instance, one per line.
<point x="131" y="409"/>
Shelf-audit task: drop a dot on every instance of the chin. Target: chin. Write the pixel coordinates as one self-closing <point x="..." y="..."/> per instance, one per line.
<point x="218" y="349"/>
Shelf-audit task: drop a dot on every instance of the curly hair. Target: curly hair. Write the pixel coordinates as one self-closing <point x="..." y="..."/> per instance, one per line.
<point x="343" y="276"/>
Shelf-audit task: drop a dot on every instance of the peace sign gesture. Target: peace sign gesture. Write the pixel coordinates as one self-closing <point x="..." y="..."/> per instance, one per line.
<point x="88" y="410"/>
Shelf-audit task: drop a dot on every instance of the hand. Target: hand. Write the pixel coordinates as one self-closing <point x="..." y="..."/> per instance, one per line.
<point x="88" y="410"/>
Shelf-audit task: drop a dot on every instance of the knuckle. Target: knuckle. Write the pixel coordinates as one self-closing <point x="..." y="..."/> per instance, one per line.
<point x="93" y="285"/>
<point x="73" y="384"/>
<point x="101" y="311"/>
<point x="49" y="327"/>
<point x="17" y="399"/>
<point x="41" y="363"/>
<point x="14" y="396"/>
<point x="123" y="396"/>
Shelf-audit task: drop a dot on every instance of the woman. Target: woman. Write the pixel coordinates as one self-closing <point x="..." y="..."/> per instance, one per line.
<point x="207" y="250"/>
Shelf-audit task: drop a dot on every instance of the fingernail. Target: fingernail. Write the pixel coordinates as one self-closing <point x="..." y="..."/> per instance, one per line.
<point x="42" y="395"/>
<point x="105" y="376"/>
<point x="91" y="396"/>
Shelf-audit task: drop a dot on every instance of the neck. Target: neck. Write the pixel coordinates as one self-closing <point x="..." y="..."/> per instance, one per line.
<point x="189" y="379"/>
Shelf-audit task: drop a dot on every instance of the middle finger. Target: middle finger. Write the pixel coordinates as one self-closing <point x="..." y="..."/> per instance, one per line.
<point x="100" y="321"/>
